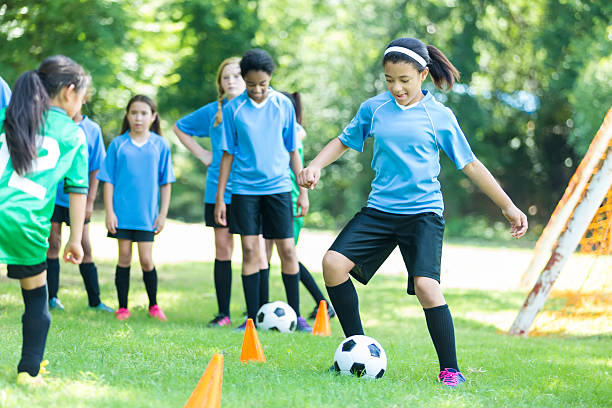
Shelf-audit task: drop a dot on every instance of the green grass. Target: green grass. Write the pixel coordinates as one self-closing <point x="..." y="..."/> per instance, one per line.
<point x="97" y="361"/>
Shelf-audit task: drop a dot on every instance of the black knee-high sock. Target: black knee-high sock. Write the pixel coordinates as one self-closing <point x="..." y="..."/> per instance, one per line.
<point x="53" y="270"/>
<point x="346" y="304"/>
<point x="223" y="285"/>
<point x="264" y="286"/>
<point x="292" y="290"/>
<point x="250" y="286"/>
<point x="36" y="321"/>
<point x="150" y="280"/>
<point x="310" y="284"/>
<point x="122" y="282"/>
<point x="89" y="272"/>
<point x="442" y="332"/>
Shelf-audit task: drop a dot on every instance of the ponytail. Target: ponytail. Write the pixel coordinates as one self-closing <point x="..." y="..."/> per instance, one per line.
<point x="443" y="72"/>
<point x="296" y="100"/>
<point x="421" y="56"/>
<point x="219" y="115"/>
<point x="24" y="120"/>
<point x="30" y="102"/>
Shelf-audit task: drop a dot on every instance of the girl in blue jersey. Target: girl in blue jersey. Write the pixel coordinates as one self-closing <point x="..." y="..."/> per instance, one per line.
<point x="5" y="93"/>
<point x="405" y="205"/>
<point x="137" y="173"/>
<point x="89" y="272"/>
<point x="39" y="146"/>
<point x="259" y="141"/>
<point x="305" y="275"/>
<point x="206" y="122"/>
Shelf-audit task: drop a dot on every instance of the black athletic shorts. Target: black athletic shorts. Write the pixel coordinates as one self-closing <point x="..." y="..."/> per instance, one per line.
<point x="133" y="235"/>
<point x="270" y="215"/>
<point x="62" y="214"/>
<point x="209" y="215"/>
<point x="25" y="271"/>
<point x="370" y="237"/>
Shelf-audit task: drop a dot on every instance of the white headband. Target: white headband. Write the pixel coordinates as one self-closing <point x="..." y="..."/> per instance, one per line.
<point x="409" y="53"/>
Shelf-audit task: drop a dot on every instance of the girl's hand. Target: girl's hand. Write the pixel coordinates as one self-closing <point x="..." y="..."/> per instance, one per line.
<point x="517" y="220"/>
<point x="309" y="177"/>
<point x="206" y="157"/>
<point x="220" y="213"/>
<point x="111" y="222"/>
<point x="302" y="204"/>
<point x="160" y="221"/>
<point x="73" y="252"/>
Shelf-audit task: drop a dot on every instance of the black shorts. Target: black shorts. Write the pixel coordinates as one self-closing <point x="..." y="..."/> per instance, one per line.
<point x="370" y="237"/>
<point x="25" y="271"/>
<point x="133" y="235"/>
<point x="270" y="215"/>
<point x="62" y="214"/>
<point x="209" y="215"/>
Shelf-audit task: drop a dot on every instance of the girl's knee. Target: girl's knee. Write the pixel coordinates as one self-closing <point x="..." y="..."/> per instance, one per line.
<point x="335" y="269"/>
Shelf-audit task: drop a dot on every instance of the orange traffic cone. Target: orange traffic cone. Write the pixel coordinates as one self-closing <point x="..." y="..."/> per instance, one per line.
<point x="207" y="394"/>
<point x="321" y="325"/>
<point x="251" y="347"/>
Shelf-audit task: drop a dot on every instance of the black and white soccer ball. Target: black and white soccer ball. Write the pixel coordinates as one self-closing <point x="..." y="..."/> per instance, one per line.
<point x="361" y="356"/>
<point x="276" y="316"/>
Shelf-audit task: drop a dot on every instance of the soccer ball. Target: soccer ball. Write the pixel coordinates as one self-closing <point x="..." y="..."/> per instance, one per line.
<point x="361" y="356"/>
<point x="277" y="316"/>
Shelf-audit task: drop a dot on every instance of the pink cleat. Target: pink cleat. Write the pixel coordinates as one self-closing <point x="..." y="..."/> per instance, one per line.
<point x="122" y="314"/>
<point x="156" y="313"/>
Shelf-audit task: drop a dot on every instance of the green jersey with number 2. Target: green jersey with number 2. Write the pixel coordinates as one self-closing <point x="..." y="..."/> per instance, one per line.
<point x="26" y="202"/>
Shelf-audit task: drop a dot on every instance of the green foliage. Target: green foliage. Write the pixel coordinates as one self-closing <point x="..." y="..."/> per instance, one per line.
<point x="534" y="89"/>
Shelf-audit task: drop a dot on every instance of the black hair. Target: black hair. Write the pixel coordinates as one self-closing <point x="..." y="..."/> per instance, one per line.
<point x="155" y="126"/>
<point x="443" y="72"/>
<point x="296" y="100"/>
<point x="256" y="59"/>
<point x="31" y="99"/>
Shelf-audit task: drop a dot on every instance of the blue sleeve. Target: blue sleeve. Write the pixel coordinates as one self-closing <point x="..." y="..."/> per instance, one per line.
<point x="356" y="132"/>
<point x="96" y="150"/>
<point x="198" y="123"/>
<point x="107" y="170"/>
<point x="166" y="170"/>
<point x="290" y="128"/>
<point x="227" y="141"/>
<point x="453" y="142"/>
<point x="5" y="93"/>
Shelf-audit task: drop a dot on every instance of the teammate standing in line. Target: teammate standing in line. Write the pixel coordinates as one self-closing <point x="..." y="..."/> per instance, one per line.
<point x="5" y="93"/>
<point x="207" y="122"/>
<point x="137" y="173"/>
<point x="89" y="272"/>
<point x="259" y="141"/>
<point x="405" y="206"/>
<point x="39" y="146"/>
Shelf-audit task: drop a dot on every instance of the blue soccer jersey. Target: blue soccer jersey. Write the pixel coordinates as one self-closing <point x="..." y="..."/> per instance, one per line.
<point x="137" y="172"/>
<point x="260" y="136"/>
<point x="5" y="93"/>
<point x="95" y="150"/>
<point x="201" y="123"/>
<point x="406" y="158"/>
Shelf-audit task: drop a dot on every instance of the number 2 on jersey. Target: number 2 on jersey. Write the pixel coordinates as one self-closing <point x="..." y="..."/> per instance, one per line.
<point x="39" y="164"/>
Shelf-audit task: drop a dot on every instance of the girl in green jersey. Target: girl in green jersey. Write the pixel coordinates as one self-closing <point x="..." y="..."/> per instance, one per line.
<point x="39" y="146"/>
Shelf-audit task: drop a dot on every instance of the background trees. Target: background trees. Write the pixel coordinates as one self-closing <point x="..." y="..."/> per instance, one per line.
<point x="535" y="79"/>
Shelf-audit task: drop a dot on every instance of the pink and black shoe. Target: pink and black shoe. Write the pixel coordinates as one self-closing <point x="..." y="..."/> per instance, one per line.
<point x="451" y="377"/>
<point x="122" y="314"/>
<point x="156" y="313"/>
<point x="220" y="320"/>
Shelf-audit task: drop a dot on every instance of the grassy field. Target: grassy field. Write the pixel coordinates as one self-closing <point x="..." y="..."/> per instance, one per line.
<point x="97" y="361"/>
